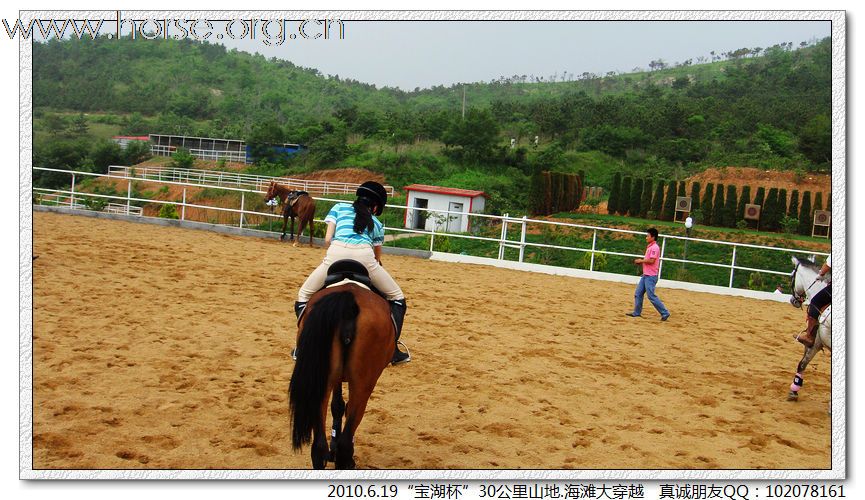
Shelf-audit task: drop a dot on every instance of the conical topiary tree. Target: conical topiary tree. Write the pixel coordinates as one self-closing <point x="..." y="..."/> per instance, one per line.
<point x="743" y="200"/>
<point x="805" y="214"/>
<point x="760" y="197"/>
<point x="613" y="201"/>
<point x="718" y="206"/>
<point x="670" y="202"/>
<point x="636" y="198"/>
<point x="646" y="202"/>
<point x="793" y="209"/>
<point x="782" y="206"/>
<point x="730" y="205"/>
<point x="624" y="197"/>
<point x="706" y="204"/>
<point x="695" y="196"/>
<point x="818" y="200"/>
<point x="770" y="211"/>
<point x="658" y="200"/>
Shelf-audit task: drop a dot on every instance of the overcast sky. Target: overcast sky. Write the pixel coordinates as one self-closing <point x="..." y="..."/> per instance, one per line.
<point x="409" y="54"/>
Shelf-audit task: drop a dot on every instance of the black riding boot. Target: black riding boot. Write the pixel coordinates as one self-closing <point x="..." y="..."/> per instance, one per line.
<point x="299" y="307"/>
<point x="397" y="310"/>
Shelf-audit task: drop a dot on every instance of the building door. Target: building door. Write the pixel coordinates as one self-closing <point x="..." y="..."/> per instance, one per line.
<point x="455" y="222"/>
<point x="420" y="216"/>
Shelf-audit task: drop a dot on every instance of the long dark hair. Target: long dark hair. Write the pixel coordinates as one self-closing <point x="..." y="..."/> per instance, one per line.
<point x="363" y="215"/>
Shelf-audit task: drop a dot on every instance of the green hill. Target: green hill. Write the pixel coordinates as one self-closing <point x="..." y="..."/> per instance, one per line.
<point x="767" y="108"/>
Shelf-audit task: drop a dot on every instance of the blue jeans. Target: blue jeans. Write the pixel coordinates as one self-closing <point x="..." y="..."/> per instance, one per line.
<point x="647" y="286"/>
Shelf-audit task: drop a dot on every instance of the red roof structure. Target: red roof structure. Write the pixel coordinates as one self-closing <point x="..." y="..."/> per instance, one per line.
<point x="132" y="137"/>
<point x="468" y="193"/>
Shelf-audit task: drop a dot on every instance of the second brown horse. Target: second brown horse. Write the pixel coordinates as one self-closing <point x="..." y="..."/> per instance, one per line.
<point x="295" y="204"/>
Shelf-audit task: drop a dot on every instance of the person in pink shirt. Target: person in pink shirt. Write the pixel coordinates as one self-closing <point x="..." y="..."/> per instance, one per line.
<point x="651" y="265"/>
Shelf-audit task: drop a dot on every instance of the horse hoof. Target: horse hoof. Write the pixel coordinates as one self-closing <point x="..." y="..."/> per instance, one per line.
<point x="294" y="244"/>
<point x="282" y="238"/>
<point x="793" y="396"/>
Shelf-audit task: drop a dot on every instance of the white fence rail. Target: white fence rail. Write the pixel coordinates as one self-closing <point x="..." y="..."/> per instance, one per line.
<point x="71" y="198"/>
<point x="216" y="178"/>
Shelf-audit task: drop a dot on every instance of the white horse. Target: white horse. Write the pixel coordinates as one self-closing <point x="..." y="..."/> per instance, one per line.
<point x="805" y="283"/>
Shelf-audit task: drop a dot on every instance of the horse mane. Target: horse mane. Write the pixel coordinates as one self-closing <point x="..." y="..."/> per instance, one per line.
<point x="810" y="264"/>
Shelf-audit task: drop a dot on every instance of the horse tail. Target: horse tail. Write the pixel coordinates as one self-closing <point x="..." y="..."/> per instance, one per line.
<point x="309" y="380"/>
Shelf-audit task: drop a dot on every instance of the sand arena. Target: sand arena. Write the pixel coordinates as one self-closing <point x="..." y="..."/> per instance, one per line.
<point x="167" y="348"/>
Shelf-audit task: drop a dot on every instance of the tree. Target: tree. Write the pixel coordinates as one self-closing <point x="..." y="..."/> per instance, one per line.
<point x="818" y="201"/>
<point x="658" y="199"/>
<point x="55" y="124"/>
<point x="730" y="205"/>
<point x="760" y="199"/>
<point x="472" y="140"/>
<point x="681" y="191"/>
<point x="695" y="196"/>
<point x="646" y="202"/>
<point x="613" y="200"/>
<point x="718" y="206"/>
<point x="105" y="153"/>
<point x="670" y="202"/>
<point x="805" y="215"/>
<point x="770" y="211"/>
<point x="537" y="192"/>
<point x="782" y="205"/>
<point x="793" y="210"/>
<point x="706" y="204"/>
<point x="182" y="159"/>
<point x="745" y="199"/>
<point x="79" y="126"/>
<point x="624" y="197"/>
<point x="636" y="198"/>
<point x="815" y="139"/>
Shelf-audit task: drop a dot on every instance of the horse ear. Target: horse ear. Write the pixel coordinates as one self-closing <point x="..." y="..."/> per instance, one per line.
<point x="794" y="260"/>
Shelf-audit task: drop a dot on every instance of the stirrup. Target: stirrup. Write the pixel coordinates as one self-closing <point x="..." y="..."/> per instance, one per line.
<point x="799" y="338"/>
<point x="406" y="352"/>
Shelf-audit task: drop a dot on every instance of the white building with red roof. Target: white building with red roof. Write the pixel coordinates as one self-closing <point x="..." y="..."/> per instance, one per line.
<point x="447" y="208"/>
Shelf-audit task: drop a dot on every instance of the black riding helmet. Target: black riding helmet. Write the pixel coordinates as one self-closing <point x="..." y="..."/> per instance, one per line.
<point x="375" y="192"/>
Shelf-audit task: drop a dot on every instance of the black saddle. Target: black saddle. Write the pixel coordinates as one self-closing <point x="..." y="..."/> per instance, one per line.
<point x="293" y="196"/>
<point x="348" y="269"/>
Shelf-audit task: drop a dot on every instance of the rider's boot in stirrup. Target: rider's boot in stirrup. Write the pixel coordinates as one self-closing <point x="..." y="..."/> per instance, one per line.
<point x="397" y="310"/>
<point x="810" y="334"/>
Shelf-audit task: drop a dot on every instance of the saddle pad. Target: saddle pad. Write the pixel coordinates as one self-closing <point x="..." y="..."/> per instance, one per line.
<point x="826" y="313"/>
<point x="347" y="282"/>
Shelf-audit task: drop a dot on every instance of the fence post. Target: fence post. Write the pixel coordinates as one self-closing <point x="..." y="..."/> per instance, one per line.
<point x="503" y="237"/>
<point x="128" y="196"/>
<point x="432" y="236"/>
<point x="72" y="193"/>
<point x="732" y="267"/>
<point x="594" y="241"/>
<point x="523" y="240"/>
<point x="183" y="207"/>
<point x="242" y="203"/>
<point x="661" y="264"/>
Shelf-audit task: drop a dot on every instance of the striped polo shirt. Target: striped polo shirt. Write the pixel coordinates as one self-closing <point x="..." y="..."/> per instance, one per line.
<point x="342" y="214"/>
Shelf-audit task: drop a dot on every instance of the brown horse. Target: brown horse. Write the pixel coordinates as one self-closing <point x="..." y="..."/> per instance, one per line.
<point x="295" y="204"/>
<point x="345" y="335"/>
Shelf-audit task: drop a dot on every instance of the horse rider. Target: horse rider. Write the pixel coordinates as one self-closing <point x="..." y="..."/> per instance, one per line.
<point x="354" y="232"/>
<point x="822" y="299"/>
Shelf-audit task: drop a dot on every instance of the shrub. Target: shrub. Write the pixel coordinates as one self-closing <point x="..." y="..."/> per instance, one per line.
<point x="95" y="204"/>
<point x="755" y="281"/>
<point x="613" y="201"/>
<point x="600" y="261"/>
<point x="742" y="225"/>
<point x="789" y="224"/>
<point x="168" y="211"/>
<point x="182" y="159"/>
